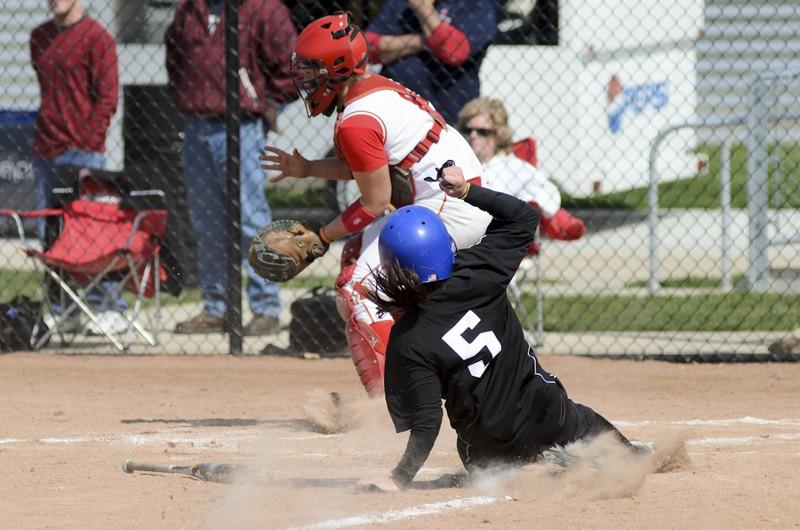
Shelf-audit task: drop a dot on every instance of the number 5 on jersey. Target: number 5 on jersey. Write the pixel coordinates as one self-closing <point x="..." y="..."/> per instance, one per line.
<point x="467" y="350"/>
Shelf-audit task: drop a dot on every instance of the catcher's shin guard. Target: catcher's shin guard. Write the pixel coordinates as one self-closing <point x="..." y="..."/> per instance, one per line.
<point x="368" y="349"/>
<point x="367" y="341"/>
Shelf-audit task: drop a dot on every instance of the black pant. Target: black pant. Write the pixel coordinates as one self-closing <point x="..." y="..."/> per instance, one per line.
<point x="555" y="420"/>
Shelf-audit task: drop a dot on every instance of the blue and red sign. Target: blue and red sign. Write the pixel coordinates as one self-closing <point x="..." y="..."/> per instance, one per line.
<point x="634" y="100"/>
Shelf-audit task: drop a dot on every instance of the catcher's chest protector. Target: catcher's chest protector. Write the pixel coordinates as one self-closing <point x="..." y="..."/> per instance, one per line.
<point x="399" y="174"/>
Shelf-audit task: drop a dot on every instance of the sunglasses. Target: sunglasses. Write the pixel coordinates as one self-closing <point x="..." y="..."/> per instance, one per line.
<point x="485" y="133"/>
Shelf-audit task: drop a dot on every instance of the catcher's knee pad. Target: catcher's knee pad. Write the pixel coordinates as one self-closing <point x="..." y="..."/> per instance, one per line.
<point x="344" y="294"/>
<point x="345" y="303"/>
<point x="351" y="251"/>
<point x="368" y="349"/>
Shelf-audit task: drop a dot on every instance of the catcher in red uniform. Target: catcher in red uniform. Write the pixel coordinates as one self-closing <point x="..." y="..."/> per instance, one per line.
<point x="391" y="142"/>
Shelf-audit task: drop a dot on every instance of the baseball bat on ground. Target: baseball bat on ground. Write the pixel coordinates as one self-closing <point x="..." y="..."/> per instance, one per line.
<point x="226" y="473"/>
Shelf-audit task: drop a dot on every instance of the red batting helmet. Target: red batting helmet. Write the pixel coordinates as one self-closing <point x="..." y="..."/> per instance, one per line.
<point x="329" y="51"/>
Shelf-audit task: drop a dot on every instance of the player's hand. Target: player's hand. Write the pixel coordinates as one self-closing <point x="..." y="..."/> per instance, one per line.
<point x="287" y="165"/>
<point x="452" y="182"/>
<point x="379" y="483"/>
<point x="421" y="5"/>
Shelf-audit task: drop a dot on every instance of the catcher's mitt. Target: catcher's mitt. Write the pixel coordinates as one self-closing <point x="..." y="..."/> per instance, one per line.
<point x="283" y="248"/>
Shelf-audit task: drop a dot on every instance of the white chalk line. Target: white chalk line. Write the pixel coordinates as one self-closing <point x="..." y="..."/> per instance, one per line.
<point x="745" y="440"/>
<point x="226" y="440"/>
<point x="399" y="515"/>
<point x="746" y="420"/>
<point x="316" y="436"/>
<point x="231" y="438"/>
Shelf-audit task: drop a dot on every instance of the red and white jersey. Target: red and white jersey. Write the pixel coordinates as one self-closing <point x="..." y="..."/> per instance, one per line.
<point x="382" y="127"/>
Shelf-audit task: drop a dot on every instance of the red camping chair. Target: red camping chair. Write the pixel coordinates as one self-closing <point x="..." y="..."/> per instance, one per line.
<point x="562" y="226"/>
<point x="100" y="242"/>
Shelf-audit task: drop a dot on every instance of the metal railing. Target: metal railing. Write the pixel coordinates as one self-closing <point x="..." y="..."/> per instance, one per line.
<point x="725" y="195"/>
<point x="757" y="121"/>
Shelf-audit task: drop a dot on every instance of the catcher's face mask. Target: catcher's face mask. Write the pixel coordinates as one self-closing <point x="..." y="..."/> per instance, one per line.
<point x="315" y="86"/>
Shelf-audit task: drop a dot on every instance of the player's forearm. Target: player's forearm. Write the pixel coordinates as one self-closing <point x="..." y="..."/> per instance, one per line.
<point x="428" y="18"/>
<point x="329" y="168"/>
<point x="394" y="47"/>
<point x="419" y="447"/>
<point x="354" y="219"/>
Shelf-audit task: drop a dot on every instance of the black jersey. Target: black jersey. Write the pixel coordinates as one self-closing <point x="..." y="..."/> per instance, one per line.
<point x="465" y="345"/>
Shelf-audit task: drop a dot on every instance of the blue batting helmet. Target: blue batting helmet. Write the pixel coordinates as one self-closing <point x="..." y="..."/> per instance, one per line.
<point x="419" y="241"/>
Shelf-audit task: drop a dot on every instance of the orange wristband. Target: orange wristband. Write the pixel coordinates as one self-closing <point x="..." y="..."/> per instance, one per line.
<point x="323" y="235"/>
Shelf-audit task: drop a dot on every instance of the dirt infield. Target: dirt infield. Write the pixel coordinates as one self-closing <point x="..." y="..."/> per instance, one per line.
<point x="68" y="422"/>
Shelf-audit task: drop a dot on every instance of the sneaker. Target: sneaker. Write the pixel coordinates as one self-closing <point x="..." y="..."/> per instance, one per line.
<point x="202" y="323"/>
<point x="261" y="325"/>
<point x="559" y="456"/>
<point x="110" y="322"/>
<point x="641" y="448"/>
<point x="71" y="324"/>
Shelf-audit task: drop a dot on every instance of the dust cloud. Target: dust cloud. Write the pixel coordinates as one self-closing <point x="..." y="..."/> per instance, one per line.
<point x="353" y="437"/>
<point x="604" y="469"/>
<point x="275" y="493"/>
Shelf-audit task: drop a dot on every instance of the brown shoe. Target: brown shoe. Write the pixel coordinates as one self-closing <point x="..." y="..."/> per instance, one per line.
<point x="202" y="323"/>
<point x="261" y="325"/>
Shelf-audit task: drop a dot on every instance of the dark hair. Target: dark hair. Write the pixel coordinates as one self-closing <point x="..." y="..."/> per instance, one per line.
<point x="399" y="289"/>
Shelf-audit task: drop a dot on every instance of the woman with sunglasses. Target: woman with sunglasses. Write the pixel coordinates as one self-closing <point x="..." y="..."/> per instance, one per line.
<point x="390" y="141"/>
<point x="484" y="123"/>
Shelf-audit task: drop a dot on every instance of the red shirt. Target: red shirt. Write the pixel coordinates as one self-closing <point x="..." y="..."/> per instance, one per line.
<point x="79" y="82"/>
<point x="361" y="140"/>
<point x="196" y="57"/>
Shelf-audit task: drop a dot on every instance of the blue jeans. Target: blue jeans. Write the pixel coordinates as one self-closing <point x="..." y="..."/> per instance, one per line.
<point x="46" y="176"/>
<point x="204" y="159"/>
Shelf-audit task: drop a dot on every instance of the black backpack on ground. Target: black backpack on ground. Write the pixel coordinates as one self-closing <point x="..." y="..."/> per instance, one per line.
<point x="316" y="325"/>
<point x="18" y="318"/>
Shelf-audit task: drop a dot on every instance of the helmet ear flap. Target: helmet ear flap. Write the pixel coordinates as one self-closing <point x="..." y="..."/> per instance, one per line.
<point x="358" y="43"/>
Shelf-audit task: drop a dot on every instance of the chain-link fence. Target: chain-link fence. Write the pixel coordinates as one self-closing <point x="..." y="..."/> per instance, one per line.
<point x="670" y="130"/>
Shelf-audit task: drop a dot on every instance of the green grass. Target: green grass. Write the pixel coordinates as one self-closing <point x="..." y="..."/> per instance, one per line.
<point x="703" y="191"/>
<point x="309" y="282"/>
<point x="689" y="282"/>
<point x="20" y="283"/>
<point x="292" y="198"/>
<point x="15" y="282"/>
<point x="723" y="312"/>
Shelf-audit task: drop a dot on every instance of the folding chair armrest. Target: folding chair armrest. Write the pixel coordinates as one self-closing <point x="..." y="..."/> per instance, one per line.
<point x="19" y="215"/>
<point x="18" y="221"/>
<point x="151" y="221"/>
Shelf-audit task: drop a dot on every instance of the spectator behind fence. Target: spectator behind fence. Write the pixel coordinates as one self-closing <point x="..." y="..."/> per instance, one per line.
<point x="435" y="48"/>
<point x="196" y="68"/>
<point x="484" y="122"/>
<point x="75" y="59"/>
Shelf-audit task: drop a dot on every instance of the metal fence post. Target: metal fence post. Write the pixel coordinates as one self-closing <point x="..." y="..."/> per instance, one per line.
<point x="233" y="314"/>
<point x="757" y="278"/>
<point x="652" y="205"/>
<point x="725" y="206"/>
